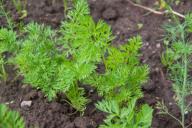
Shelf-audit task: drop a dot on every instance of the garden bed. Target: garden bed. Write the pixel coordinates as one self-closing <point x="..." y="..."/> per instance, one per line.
<point x="126" y="21"/>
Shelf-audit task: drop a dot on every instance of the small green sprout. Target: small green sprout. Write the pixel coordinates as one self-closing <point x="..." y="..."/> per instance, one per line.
<point x="177" y="58"/>
<point x="10" y="119"/>
<point x="7" y="44"/>
<point x="20" y="7"/>
<point x="4" y="13"/>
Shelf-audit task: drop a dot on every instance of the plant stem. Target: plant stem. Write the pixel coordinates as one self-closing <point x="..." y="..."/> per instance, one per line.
<point x="5" y="14"/>
<point x="183" y="91"/>
<point x="180" y="122"/>
<point x="4" y="74"/>
<point x="65" y="5"/>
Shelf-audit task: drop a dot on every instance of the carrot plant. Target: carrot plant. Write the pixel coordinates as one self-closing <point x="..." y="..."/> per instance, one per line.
<point x="56" y="69"/>
<point x="177" y="58"/>
<point x="120" y="86"/>
<point x="61" y="62"/>
<point x="7" y="44"/>
<point x="127" y="116"/>
<point x="10" y="119"/>
<point x="85" y="43"/>
<point x="38" y="60"/>
<point x="124" y="75"/>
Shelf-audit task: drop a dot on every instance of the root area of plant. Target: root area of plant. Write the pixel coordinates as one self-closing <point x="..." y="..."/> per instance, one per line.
<point x="126" y="21"/>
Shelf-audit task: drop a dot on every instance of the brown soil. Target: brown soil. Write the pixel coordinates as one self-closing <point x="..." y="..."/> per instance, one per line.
<point x="124" y="20"/>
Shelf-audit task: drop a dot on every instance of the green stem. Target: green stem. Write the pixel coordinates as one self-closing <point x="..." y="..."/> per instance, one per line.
<point x="180" y="122"/>
<point x="4" y="73"/>
<point x="5" y="14"/>
<point x="65" y="5"/>
<point x="183" y="91"/>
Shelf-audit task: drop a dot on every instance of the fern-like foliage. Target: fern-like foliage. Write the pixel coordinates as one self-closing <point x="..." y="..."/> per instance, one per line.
<point x="124" y="75"/>
<point x="39" y="62"/>
<point x="61" y="62"/>
<point x="177" y="59"/>
<point x="7" y="40"/>
<point x="120" y="85"/>
<point x="85" y="43"/>
<point x="7" y="45"/>
<point x="10" y="119"/>
<point x="82" y="44"/>
<point x="125" y="117"/>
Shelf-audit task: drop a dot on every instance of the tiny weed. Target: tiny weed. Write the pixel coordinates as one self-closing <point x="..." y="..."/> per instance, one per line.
<point x="4" y="13"/>
<point x="20" y="7"/>
<point x="8" y="45"/>
<point x="178" y="60"/>
<point x="10" y="119"/>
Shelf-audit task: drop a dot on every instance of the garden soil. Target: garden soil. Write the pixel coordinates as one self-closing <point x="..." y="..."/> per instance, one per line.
<point x="126" y="21"/>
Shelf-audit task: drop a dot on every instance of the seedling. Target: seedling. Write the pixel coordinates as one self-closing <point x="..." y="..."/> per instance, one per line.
<point x="37" y="59"/>
<point x="66" y="5"/>
<point x="4" y="13"/>
<point x="120" y="85"/>
<point x="124" y="74"/>
<point x="128" y="116"/>
<point x="61" y="62"/>
<point x="85" y="43"/>
<point x="7" y="45"/>
<point x="20" y="7"/>
<point x="54" y="70"/>
<point x="177" y="59"/>
<point x="10" y="119"/>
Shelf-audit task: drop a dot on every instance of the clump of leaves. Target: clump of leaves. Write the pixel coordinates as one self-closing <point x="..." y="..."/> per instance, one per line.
<point x="38" y="60"/>
<point x="85" y="43"/>
<point x="4" y="13"/>
<point x="56" y="69"/>
<point x="20" y="7"/>
<point x="60" y="63"/>
<point x="7" y="44"/>
<point x="66" y="5"/>
<point x="128" y="116"/>
<point x="123" y="75"/>
<point x="177" y="58"/>
<point x="120" y="85"/>
<point x="10" y="119"/>
<point x="7" y="40"/>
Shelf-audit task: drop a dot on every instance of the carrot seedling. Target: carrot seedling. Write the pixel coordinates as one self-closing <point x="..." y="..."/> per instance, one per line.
<point x="177" y="58"/>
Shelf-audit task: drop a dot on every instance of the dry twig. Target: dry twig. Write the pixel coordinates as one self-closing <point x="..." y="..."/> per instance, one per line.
<point x="156" y="12"/>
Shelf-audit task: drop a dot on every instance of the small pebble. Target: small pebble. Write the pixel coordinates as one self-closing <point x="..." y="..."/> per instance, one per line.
<point x="149" y="47"/>
<point x="158" y="45"/>
<point x="154" y="52"/>
<point x="26" y="104"/>
<point x="157" y="69"/>
<point x="170" y="103"/>
<point x="118" y="32"/>
<point x="11" y="102"/>
<point x="147" y="44"/>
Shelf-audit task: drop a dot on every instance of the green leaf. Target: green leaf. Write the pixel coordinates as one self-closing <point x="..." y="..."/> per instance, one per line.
<point x="144" y="117"/>
<point x="10" y="119"/>
<point x="7" y="40"/>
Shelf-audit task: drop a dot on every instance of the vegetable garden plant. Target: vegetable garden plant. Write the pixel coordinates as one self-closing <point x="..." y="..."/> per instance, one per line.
<point x="177" y="58"/>
<point x="62" y="61"/>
